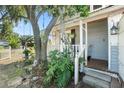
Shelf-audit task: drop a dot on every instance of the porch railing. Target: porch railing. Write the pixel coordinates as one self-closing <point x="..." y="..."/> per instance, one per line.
<point x="75" y="49"/>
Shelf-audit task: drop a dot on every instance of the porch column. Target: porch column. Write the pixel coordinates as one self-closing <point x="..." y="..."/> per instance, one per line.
<point x="81" y="35"/>
<point x="81" y="43"/>
<point x="91" y="8"/>
<point x="86" y="46"/>
<point x="76" y="69"/>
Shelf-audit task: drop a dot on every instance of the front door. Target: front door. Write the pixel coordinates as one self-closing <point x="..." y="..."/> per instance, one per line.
<point x="73" y="34"/>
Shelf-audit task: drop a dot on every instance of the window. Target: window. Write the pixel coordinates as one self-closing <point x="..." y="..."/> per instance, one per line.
<point x="96" y="6"/>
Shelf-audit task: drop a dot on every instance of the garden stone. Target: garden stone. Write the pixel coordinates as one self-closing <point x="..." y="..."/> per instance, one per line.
<point x="35" y="78"/>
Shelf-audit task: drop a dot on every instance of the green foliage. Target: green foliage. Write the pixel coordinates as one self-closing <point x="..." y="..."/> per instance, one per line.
<point x="27" y="41"/>
<point x="28" y="62"/>
<point x="26" y="51"/>
<point x="81" y="60"/>
<point x="13" y="40"/>
<point x="6" y="29"/>
<point x="7" y="34"/>
<point x="68" y="10"/>
<point x="16" y="13"/>
<point x="60" y="69"/>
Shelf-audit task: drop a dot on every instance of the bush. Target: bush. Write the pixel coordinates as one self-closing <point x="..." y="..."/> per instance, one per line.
<point x="26" y="52"/>
<point x="60" y="69"/>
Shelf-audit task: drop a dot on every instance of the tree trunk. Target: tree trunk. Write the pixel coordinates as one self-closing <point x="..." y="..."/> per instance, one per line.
<point x="44" y="52"/>
<point x="37" y="41"/>
<point x="31" y="14"/>
<point x="44" y="44"/>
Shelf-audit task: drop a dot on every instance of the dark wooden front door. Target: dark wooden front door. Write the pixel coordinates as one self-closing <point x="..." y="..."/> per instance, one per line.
<point x="73" y="38"/>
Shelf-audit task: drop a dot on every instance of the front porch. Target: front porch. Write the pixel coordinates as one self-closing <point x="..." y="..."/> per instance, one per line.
<point x="98" y="64"/>
<point x="91" y="39"/>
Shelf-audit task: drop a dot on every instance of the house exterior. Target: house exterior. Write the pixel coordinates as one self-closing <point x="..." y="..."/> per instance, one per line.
<point x="100" y="36"/>
<point x="4" y="43"/>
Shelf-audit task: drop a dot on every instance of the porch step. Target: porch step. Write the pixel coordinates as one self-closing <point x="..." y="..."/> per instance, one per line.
<point x="97" y="74"/>
<point x="97" y="78"/>
<point x="95" y="82"/>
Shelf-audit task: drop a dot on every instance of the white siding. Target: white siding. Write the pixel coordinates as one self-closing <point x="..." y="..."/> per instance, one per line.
<point x="113" y="44"/>
<point x="98" y="38"/>
<point x="121" y="48"/>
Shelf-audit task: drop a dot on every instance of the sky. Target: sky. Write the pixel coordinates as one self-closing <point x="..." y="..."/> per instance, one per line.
<point x="26" y="29"/>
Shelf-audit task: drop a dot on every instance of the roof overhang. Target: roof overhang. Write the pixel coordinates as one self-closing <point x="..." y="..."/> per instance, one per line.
<point x="100" y="14"/>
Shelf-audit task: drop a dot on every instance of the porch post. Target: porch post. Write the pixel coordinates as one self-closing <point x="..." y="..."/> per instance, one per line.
<point x="76" y="71"/>
<point x="81" y="35"/>
<point x="76" y="65"/>
<point x="86" y="46"/>
<point x="81" y="43"/>
<point x="91" y="8"/>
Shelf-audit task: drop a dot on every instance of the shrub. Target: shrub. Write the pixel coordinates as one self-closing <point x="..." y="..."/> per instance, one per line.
<point x="60" y="69"/>
<point x="26" y="52"/>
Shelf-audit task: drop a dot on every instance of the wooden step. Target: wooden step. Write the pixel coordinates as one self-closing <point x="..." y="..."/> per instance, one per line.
<point x="97" y="74"/>
<point x="95" y="82"/>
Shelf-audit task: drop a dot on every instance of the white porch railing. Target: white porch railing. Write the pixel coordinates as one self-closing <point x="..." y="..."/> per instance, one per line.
<point x="75" y="49"/>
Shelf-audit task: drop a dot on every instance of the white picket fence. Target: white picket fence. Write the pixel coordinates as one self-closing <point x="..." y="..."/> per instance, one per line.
<point x="5" y="53"/>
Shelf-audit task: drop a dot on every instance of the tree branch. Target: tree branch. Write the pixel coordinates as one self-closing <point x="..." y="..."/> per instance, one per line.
<point x="3" y="16"/>
<point x="50" y="26"/>
<point x="27" y="9"/>
<point x="39" y="14"/>
<point x="23" y="17"/>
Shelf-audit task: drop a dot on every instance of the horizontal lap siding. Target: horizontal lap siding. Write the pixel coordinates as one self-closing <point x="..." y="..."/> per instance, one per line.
<point x="114" y="58"/>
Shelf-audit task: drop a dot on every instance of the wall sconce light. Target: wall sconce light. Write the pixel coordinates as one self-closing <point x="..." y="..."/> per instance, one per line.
<point x="114" y="29"/>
